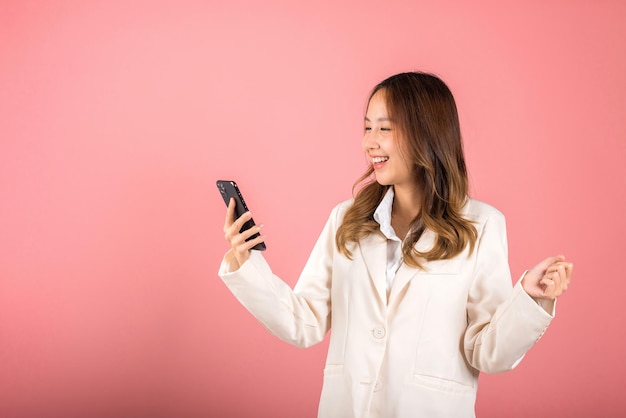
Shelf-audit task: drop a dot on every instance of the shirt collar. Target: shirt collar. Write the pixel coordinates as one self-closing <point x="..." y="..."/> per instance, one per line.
<point x="382" y="215"/>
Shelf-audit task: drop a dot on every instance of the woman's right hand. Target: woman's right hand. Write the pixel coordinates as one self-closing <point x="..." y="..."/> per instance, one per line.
<point x="239" y="247"/>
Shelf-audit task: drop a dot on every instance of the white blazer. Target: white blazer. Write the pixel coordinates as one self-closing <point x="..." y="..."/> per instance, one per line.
<point x="416" y="352"/>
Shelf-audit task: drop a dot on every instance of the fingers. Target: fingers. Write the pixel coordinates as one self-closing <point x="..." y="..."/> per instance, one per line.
<point x="230" y="223"/>
<point x="556" y="279"/>
<point x="565" y="274"/>
<point x="245" y="236"/>
<point x="550" y="261"/>
<point x="233" y="231"/>
<point x="549" y="279"/>
<point x="238" y="239"/>
<point x="230" y="214"/>
<point x="249" y="244"/>
<point x="547" y="285"/>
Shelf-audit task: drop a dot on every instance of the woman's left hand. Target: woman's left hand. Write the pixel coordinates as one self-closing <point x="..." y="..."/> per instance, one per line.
<point x="548" y="279"/>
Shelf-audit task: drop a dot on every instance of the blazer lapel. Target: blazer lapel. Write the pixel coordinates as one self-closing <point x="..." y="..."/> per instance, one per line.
<point x="405" y="273"/>
<point x="374" y="252"/>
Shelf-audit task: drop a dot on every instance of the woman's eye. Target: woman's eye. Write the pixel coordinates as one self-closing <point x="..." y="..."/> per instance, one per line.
<point x="367" y="129"/>
<point x="385" y="129"/>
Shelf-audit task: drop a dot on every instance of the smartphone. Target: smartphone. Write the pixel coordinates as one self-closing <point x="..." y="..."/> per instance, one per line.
<point x="228" y="189"/>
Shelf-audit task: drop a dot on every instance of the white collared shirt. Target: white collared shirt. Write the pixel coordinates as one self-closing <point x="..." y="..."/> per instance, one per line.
<point x="382" y="215"/>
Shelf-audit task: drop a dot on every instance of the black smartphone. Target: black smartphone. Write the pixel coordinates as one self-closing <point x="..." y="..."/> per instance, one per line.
<point x="228" y="189"/>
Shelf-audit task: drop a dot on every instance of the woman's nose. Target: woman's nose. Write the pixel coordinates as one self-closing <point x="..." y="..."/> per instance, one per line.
<point x="369" y="141"/>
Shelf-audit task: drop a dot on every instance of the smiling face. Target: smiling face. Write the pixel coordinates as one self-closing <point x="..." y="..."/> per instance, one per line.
<point x="382" y="144"/>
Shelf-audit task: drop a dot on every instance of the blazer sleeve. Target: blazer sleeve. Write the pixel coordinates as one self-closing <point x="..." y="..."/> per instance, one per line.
<point x="299" y="316"/>
<point x="503" y="322"/>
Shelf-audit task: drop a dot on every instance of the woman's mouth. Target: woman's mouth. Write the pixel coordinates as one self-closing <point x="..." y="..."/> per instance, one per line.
<point x="378" y="162"/>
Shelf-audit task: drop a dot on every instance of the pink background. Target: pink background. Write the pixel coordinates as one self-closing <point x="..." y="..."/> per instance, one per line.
<point x="117" y="118"/>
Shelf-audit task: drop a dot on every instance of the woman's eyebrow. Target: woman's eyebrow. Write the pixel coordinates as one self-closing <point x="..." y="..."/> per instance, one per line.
<point x="379" y="119"/>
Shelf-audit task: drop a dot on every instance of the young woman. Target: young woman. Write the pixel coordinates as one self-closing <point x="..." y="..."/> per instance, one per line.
<point x="411" y="275"/>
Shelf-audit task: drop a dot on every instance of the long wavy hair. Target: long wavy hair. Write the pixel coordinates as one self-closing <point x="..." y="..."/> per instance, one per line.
<point x="423" y="110"/>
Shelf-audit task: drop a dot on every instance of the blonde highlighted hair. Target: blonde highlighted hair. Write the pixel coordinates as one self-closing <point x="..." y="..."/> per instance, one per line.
<point x="424" y="111"/>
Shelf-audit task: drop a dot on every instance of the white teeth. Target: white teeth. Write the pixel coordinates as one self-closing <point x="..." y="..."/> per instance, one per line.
<point x="379" y="159"/>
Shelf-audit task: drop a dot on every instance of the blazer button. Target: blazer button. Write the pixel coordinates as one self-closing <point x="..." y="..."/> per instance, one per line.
<point x="379" y="332"/>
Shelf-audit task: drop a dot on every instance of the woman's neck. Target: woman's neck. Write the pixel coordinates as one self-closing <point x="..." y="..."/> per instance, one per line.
<point x="406" y="206"/>
<point x="406" y="201"/>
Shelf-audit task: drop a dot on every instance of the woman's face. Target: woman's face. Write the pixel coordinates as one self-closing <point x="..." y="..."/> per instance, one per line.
<point x="382" y="145"/>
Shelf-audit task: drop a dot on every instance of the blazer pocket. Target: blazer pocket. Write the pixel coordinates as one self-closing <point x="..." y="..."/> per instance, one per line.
<point x="442" y="385"/>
